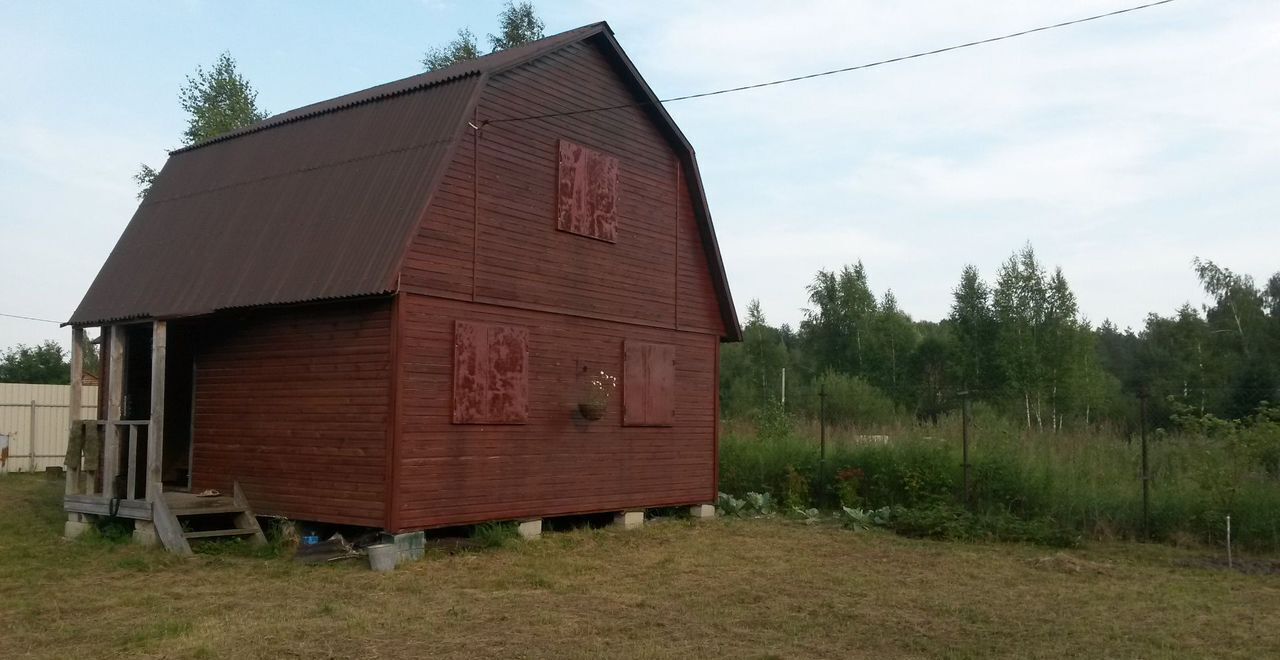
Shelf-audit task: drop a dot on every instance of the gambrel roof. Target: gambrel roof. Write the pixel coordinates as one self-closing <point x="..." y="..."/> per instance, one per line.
<point x="321" y="202"/>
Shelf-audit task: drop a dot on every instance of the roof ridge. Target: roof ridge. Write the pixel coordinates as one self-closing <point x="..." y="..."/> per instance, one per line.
<point x="496" y="60"/>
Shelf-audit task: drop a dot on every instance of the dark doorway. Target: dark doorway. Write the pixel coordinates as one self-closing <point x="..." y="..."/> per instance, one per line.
<point x="175" y="462"/>
<point x="179" y="395"/>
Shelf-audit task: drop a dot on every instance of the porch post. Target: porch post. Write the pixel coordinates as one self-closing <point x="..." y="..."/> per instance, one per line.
<point x="113" y="354"/>
<point x="77" y="523"/>
<point x="73" y="402"/>
<point x="155" y="429"/>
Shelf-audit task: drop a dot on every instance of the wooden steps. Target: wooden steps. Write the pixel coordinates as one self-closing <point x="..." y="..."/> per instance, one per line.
<point x="214" y="533"/>
<point x="174" y="514"/>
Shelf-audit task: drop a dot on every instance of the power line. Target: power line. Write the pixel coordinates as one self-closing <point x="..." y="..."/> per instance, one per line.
<point x="29" y="318"/>
<point x="832" y="72"/>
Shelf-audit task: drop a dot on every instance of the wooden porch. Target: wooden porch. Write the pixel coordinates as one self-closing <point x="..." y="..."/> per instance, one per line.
<point x="128" y="480"/>
<point x="106" y="488"/>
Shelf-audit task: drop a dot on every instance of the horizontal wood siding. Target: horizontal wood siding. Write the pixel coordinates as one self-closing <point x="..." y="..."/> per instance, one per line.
<point x="294" y="404"/>
<point x="556" y="463"/>
<point x="520" y="257"/>
<point x="439" y="258"/>
<point x="698" y="308"/>
<point x="489" y="233"/>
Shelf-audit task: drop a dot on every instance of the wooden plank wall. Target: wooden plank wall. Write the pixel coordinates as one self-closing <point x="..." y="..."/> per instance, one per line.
<point x="489" y="251"/>
<point x="556" y="463"/>
<point x="295" y="404"/>
<point x="497" y="241"/>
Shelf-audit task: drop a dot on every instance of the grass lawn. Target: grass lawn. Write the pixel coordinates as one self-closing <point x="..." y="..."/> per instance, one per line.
<point x="731" y="588"/>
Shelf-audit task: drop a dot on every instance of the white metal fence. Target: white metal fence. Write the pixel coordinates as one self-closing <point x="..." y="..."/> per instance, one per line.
<point x="34" y="423"/>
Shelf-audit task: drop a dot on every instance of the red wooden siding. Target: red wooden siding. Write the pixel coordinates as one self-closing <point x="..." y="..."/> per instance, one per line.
<point x="587" y="197"/>
<point x="440" y="255"/>
<point x="494" y="236"/>
<point x="557" y="463"/>
<point x="648" y="384"/>
<point x="490" y="375"/>
<point x="294" y="403"/>
<point x="697" y="308"/>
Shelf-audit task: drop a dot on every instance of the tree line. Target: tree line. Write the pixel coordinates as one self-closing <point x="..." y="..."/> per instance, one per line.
<point x="1018" y="344"/>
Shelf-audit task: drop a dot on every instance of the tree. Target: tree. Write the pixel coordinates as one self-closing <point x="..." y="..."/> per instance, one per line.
<point x="931" y="362"/>
<point x="751" y="372"/>
<point x="974" y="327"/>
<point x="1239" y="311"/>
<point x="518" y="24"/>
<point x="1018" y="303"/>
<point x="893" y="338"/>
<point x="217" y="101"/>
<point x="461" y="48"/>
<point x="839" y="323"/>
<point x="1236" y="300"/>
<point x="145" y="176"/>
<point x="1062" y="345"/>
<point x="45" y="364"/>
<point x="1273" y="296"/>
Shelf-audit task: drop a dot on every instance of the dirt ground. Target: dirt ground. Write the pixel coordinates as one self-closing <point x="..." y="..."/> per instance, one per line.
<point x="674" y="589"/>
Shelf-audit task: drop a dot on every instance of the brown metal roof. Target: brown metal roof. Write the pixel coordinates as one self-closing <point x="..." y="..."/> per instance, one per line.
<point x="318" y="202"/>
<point x="307" y="210"/>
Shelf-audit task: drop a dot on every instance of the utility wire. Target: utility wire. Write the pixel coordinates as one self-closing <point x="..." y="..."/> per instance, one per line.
<point x="832" y="72"/>
<point x="784" y="81"/>
<point x="29" y="318"/>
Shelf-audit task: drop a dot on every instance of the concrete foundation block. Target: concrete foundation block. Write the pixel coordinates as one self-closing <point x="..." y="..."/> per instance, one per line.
<point x="530" y="529"/>
<point x="144" y="534"/>
<point x="702" y="511"/>
<point x="629" y="519"/>
<point x="410" y="546"/>
<point x="74" y="528"/>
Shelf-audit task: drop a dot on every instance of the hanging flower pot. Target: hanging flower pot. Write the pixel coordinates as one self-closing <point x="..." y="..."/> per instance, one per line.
<point x="596" y="389"/>
<point x="592" y="410"/>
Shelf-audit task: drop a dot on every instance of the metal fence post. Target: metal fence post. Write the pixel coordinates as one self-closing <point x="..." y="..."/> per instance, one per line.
<point x="1146" y="474"/>
<point x="31" y="440"/>
<point x="822" y="422"/>
<point x="964" y="424"/>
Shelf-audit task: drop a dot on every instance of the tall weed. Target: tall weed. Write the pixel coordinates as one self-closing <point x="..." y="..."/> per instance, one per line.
<point x="1087" y="483"/>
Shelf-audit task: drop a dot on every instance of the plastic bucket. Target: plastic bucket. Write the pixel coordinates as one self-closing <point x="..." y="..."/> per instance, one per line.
<point x="382" y="557"/>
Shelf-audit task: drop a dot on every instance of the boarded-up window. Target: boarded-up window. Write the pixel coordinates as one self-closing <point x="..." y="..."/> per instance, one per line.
<point x="490" y="373"/>
<point x="648" y="384"/>
<point x="587" y="202"/>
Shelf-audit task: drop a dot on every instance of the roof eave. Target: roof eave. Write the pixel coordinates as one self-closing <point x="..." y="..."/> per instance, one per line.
<point x="728" y="312"/>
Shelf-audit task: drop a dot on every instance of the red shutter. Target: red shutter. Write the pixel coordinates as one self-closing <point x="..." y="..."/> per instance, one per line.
<point x="490" y="374"/>
<point x="470" y="373"/>
<point x="648" y="384"/>
<point x="587" y="196"/>
<point x="508" y="374"/>
<point x="662" y="385"/>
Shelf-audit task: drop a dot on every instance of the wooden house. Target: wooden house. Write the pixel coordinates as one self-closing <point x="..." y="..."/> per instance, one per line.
<point x="399" y="308"/>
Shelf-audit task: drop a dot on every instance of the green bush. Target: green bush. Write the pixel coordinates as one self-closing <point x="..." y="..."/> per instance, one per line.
<point x="797" y="490"/>
<point x="849" y="400"/>
<point x="1046" y="487"/>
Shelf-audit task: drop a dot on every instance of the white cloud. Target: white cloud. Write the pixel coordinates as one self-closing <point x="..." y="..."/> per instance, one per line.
<point x="1120" y="148"/>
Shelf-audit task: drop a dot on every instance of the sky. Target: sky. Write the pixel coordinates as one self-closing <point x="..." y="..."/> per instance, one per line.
<point x="1120" y="149"/>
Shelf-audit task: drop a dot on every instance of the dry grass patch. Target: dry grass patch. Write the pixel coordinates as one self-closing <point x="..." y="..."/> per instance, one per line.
<point x="728" y="588"/>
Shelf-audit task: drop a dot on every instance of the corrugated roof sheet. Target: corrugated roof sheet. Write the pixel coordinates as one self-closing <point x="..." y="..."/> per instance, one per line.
<point x="311" y="204"/>
<point x="307" y="210"/>
<point x="487" y="64"/>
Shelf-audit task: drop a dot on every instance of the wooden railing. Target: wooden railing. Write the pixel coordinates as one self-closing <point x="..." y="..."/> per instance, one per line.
<point x="124" y="434"/>
<point x="118" y="435"/>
